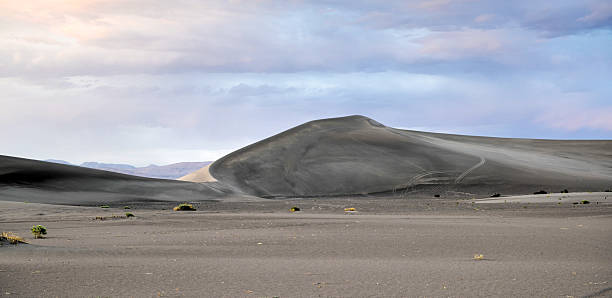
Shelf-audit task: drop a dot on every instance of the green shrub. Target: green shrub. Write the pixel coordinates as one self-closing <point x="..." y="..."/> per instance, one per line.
<point x="104" y="206"/>
<point x="127" y="207"/>
<point x="39" y="231"/>
<point x="129" y="214"/>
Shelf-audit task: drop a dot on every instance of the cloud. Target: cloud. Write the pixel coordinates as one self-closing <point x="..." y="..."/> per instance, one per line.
<point x="70" y="38"/>
<point x="463" y="44"/>
<point x="575" y="117"/>
<point x="159" y="81"/>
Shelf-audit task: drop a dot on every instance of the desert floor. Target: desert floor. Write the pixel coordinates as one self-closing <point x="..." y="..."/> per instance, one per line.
<point x="390" y="247"/>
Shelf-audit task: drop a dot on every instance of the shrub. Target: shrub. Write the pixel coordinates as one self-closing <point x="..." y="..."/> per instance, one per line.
<point x="184" y="207"/>
<point x="478" y="257"/>
<point x="129" y="214"/>
<point x="104" y="206"/>
<point x="127" y="207"/>
<point x="350" y="209"/>
<point x="585" y="202"/>
<point x="541" y="192"/>
<point x="11" y="238"/>
<point x="496" y="195"/>
<point x="436" y="196"/>
<point x="39" y="231"/>
<point x="294" y="209"/>
<point x="565" y="191"/>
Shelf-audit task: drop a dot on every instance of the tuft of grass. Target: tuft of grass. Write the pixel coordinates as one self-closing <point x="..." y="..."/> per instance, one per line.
<point x="350" y="209"/>
<point x="496" y="195"/>
<point x="436" y="196"/>
<point x="584" y="202"/>
<point x="540" y="192"/>
<point x="565" y="191"/>
<point x="104" y="206"/>
<point x="11" y="238"/>
<point x="184" y="207"/>
<point x="129" y="214"/>
<point x="127" y="207"/>
<point x="294" y="209"/>
<point x="39" y="231"/>
<point x="478" y="257"/>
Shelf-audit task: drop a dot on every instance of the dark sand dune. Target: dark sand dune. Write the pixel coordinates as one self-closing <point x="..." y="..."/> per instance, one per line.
<point x="45" y="182"/>
<point x="335" y="157"/>
<point x="357" y="155"/>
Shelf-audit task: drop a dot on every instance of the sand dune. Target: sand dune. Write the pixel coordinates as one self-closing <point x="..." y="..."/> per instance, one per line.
<point x="45" y="182"/>
<point x="238" y="245"/>
<point x="201" y="175"/>
<point x="357" y="155"/>
<point x="336" y="157"/>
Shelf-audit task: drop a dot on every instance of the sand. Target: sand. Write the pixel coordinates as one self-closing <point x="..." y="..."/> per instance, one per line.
<point x="555" y="198"/>
<point x="357" y="155"/>
<point x="391" y="247"/>
<point x="26" y="180"/>
<point x="423" y="211"/>
<point x="201" y="175"/>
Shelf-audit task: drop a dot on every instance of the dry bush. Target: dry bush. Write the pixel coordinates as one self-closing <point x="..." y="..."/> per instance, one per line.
<point x="11" y="238"/>
<point x="184" y="207"/>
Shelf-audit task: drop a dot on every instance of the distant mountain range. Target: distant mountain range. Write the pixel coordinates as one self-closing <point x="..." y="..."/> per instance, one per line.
<point x="171" y="171"/>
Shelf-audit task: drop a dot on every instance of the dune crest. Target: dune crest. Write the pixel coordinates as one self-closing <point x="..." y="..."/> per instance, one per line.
<point x="201" y="175"/>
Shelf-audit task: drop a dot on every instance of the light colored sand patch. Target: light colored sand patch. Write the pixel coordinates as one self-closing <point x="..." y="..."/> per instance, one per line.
<point x="592" y="197"/>
<point x="201" y="175"/>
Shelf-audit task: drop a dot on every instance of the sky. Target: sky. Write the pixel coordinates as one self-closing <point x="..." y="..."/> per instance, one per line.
<point x="157" y="82"/>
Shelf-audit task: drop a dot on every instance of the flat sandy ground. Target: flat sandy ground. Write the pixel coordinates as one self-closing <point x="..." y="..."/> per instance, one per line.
<point x="391" y="247"/>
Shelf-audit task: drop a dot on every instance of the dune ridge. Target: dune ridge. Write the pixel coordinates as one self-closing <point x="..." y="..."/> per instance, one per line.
<point x="46" y="182"/>
<point x="201" y="175"/>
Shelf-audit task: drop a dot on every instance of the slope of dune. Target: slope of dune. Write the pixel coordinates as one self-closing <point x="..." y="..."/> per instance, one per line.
<point x="171" y="171"/>
<point x="201" y="175"/>
<point x="357" y="155"/>
<point x="46" y="182"/>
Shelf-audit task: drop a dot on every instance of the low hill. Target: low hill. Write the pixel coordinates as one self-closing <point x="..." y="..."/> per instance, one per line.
<point x="45" y="182"/>
<point x="357" y="155"/>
